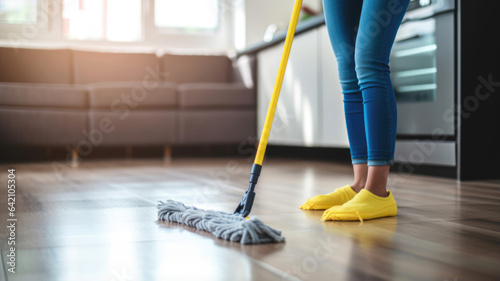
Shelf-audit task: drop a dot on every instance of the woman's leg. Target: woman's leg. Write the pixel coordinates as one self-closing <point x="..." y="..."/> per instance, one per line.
<point x="342" y="20"/>
<point x="379" y="22"/>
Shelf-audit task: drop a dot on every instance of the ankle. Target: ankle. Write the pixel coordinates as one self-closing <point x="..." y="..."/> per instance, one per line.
<point x="380" y="192"/>
<point x="357" y="186"/>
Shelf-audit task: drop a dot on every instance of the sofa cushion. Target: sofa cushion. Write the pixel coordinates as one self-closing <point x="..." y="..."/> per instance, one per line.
<point x="107" y="95"/>
<point x="42" y="95"/>
<point x="196" y="68"/>
<point x="136" y="127"/>
<point x="95" y="67"/>
<point x="35" y="65"/>
<point x="231" y="126"/>
<point x="215" y="95"/>
<point x="42" y="127"/>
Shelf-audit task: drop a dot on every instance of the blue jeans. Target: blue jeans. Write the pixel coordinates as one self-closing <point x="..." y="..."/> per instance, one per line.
<point x="362" y="33"/>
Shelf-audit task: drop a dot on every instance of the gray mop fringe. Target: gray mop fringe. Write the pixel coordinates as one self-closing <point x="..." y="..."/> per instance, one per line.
<point x="223" y="225"/>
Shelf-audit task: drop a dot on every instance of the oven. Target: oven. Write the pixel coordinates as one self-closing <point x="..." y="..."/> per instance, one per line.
<point x="423" y="75"/>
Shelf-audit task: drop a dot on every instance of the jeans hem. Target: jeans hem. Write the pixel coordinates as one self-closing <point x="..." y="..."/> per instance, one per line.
<point x="359" y="161"/>
<point x="380" y="162"/>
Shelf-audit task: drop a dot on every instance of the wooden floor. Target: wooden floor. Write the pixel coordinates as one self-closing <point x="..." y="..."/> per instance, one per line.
<point x="98" y="222"/>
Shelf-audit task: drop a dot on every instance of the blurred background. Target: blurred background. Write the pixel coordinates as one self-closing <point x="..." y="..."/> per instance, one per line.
<point x="68" y="66"/>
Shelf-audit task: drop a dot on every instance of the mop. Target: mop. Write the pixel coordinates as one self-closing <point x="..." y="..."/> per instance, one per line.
<point x="237" y="227"/>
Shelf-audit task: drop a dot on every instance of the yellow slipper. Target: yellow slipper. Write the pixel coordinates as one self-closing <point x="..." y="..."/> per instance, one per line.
<point x="324" y="201"/>
<point x="364" y="206"/>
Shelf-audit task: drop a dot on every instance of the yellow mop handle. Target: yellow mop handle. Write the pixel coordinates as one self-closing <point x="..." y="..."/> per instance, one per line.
<point x="277" y="85"/>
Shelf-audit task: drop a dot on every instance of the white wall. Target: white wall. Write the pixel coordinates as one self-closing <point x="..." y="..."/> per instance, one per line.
<point x="261" y="13"/>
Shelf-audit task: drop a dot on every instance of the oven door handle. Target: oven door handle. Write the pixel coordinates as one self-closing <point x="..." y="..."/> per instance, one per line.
<point x="416" y="36"/>
<point x="428" y="17"/>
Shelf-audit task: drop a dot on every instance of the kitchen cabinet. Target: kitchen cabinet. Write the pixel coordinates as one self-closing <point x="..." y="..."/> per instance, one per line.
<point x="333" y="127"/>
<point x="310" y="109"/>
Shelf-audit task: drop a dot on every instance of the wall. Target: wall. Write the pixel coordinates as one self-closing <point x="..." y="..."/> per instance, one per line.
<point x="261" y="13"/>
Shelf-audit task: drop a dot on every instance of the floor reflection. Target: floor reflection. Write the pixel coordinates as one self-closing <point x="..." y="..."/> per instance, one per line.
<point x="370" y="244"/>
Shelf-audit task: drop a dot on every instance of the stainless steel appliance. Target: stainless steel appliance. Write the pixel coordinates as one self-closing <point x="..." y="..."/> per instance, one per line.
<point x="423" y="75"/>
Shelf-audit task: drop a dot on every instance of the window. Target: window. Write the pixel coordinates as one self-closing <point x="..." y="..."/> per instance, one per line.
<point x="189" y="15"/>
<point x="172" y="23"/>
<point x="112" y="20"/>
<point x="18" y="11"/>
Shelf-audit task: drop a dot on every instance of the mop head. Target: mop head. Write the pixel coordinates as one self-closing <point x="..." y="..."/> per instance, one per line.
<point x="223" y="225"/>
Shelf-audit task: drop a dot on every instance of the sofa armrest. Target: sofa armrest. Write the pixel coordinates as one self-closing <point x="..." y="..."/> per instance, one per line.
<point x="245" y="70"/>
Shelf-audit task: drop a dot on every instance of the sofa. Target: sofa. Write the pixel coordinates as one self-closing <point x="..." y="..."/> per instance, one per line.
<point x="80" y="99"/>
